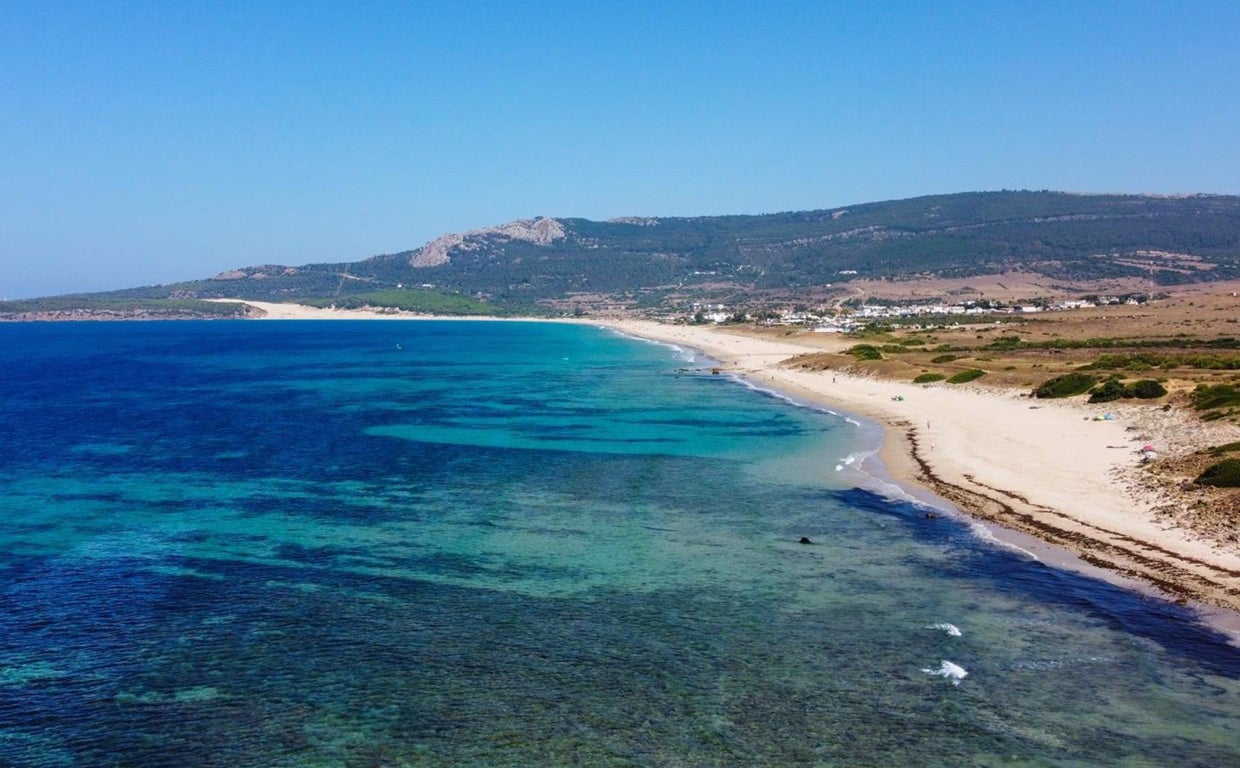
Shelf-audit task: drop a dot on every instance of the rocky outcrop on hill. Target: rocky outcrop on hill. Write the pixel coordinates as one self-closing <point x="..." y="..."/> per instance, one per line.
<point x="637" y="221"/>
<point x="255" y="273"/>
<point x="540" y="231"/>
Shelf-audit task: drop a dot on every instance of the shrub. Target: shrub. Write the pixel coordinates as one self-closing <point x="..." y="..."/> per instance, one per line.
<point x="1206" y="397"/>
<point x="1065" y="386"/>
<point x="865" y="352"/>
<point x="926" y="378"/>
<point x="1225" y="474"/>
<point x="944" y="359"/>
<point x="1219" y="450"/>
<point x="1107" y="391"/>
<point x="1147" y="389"/>
<point x="965" y="376"/>
<point x="1004" y="343"/>
<point x="1142" y="362"/>
<point x="1213" y="362"/>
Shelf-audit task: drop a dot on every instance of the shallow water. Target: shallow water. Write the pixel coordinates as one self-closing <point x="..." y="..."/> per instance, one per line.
<point x="387" y="543"/>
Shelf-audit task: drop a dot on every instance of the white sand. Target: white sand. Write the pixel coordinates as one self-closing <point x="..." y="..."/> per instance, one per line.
<point x="274" y="311"/>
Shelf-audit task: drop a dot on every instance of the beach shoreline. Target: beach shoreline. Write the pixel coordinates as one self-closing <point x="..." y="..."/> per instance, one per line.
<point x="1058" y="474"/>
<point x="1062" y="473"/>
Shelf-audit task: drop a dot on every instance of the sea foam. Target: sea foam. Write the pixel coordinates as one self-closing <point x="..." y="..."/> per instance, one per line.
<point x="947" y="669"/>
<point x="950" y="629"/>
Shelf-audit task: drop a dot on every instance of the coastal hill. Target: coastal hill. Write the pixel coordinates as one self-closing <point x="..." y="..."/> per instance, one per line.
<point x="965" y="245"/>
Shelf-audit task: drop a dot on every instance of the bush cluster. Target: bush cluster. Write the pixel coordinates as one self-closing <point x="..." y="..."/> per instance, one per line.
<point x="1225" y="474"/>
<point x="965" y="376"/>
<point x="1220" y="450"/>
<point x="1144" y="361"/>
<point x="1114" y="389"/>
<point x="1206" y="397"/>
<point x="1065" y="386"/>
<point x="1109" y="390"/>
<point x="926" y="378"/>
<point x="1147" y="389"/>
<point x="1005" y="343"/>
<point x="865" y="352"/>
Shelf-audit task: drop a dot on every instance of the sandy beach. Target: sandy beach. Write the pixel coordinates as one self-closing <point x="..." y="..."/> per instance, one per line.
<point x="275" y="311"/>
<point x="1060" y="473"/>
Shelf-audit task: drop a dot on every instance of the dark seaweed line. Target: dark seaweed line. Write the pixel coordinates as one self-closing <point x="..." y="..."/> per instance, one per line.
<point x="1128" y="560"/>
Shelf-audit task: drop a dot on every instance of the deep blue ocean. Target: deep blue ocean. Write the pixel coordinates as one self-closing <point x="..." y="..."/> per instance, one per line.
<point x="398" y="543"/>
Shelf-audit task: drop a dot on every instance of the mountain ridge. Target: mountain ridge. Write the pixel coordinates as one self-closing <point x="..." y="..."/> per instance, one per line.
<point x="1071" y="241"/>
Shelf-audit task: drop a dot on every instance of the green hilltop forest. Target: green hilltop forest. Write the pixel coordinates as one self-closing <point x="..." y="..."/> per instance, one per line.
<point x="548" y="266"/>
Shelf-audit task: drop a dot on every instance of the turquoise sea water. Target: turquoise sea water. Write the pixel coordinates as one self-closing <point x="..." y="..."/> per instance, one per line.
<point x="407" y="544"/>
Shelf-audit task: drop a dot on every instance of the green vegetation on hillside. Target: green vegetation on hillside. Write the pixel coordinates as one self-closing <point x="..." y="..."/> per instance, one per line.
<point x="666" y="262"/>
<point x="410" y="300"/>
<point x="90" y="306"/>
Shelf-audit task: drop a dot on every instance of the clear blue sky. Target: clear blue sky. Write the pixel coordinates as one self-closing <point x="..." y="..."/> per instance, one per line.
<point x="148" y="142"/>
